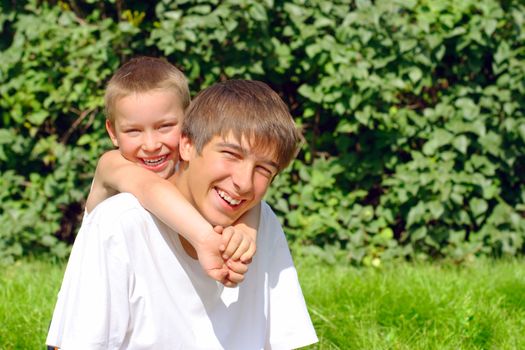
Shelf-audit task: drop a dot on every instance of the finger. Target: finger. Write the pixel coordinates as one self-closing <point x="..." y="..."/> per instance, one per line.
<point x="236" y="267"/>
<point x="248" y="255"/>
<point x="234" y="277"/>
<point x="227" y="234"/>
<point x="219" y="275"/>
<point x="243" y="247"/>
<point x="218" y="229"/>
<point x="225" y="237"/>
<point x="233" y="243"/>
<point x="229" y="284"/>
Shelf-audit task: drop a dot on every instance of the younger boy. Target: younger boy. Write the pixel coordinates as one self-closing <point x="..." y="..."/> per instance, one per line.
<point x="132" y="283"/>
<point x="145" y="103"/>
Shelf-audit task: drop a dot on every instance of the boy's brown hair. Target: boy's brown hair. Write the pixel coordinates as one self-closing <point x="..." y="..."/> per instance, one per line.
<point x="246" y="108"/>
<point x="143" y="74"/>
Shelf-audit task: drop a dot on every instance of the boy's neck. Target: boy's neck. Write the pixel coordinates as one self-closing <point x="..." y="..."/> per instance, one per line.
<point x="178" y="180"/>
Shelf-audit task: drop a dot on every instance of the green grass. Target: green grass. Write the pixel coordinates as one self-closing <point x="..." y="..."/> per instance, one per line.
<point x="27" y="297"/>
<point x="403" y="306"/>
<point x="430" y="306"/>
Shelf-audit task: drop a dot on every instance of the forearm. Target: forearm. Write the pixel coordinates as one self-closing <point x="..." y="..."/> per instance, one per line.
<point x="157" y="195"/>
<point x="166" y="202"/>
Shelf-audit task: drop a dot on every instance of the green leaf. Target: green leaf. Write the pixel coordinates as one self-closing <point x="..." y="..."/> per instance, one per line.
<point x="415" y="74"/>
<point x="313" y="49"/>
<point x="461" y="143"/>
<point x="344" y="126"/>
<point x="415" y="215"/>
<point x="407" y="45"/>
<point x="502" y="53"/>
<point x="387" y="233"/>
<point x="38" y="117"/>
<point x="6" y="136"/>
<point x="419" y="234"/>
<point x="436" y="209"/>
<point x="469" y="109"/>
<point x="309" y="92"/>
<point x="491" y="143"/>
<point x="84" y="139"/>
<point x="490" y="26"/>
<point x="439" y="138"/>
<point x="478" y="206"/>
<point x="521" y="130"/>
<point x="258" y="12"/>
<point x="363" y="116"/>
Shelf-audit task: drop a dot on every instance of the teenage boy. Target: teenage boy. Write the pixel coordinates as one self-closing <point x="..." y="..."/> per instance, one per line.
<point x="145" y="102"/>
<point x="132" y="283"/>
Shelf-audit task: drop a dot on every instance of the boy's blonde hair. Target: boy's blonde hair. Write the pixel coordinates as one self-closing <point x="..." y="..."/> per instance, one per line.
<point x="248" y="109"/>
<point x="143" y="74"/>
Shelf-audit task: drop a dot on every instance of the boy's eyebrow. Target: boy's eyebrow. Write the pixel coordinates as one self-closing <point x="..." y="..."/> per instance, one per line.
<point x="242" y="150"/>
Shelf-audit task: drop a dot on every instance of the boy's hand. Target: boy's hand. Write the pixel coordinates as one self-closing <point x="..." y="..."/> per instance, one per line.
<point x="227" y="271"/>
<point x="237" y="249"/>
<point x="210" y="258"/>
<point x="225" y="254"/>
<point x="236" y="272"/>
<point x="236" y="244"/>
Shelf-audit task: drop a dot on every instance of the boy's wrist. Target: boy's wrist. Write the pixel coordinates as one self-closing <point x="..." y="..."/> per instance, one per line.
<point x="200" y="234"/>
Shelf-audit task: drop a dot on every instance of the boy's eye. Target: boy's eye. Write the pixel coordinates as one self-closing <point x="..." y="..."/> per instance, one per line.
<point x="132" y="131"/>
<point x="167" y="126"/>
<point x="265" y="171"/>
<point x="230" y="154"/>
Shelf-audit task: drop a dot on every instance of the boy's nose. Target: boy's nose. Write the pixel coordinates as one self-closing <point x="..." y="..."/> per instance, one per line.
<point x="150" y="144"/>
<point x="243" y="178"/>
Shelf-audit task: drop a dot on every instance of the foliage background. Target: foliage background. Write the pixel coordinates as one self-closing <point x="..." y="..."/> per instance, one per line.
<point x="412" y="111"/>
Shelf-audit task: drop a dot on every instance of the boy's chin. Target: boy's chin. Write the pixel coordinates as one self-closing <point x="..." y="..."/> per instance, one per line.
<point x="221" y="220"/>
<point x="214" y="219"/>
<point x="168" y="171"/>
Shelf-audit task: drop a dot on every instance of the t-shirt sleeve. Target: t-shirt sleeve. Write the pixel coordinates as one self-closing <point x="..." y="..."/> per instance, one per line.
<point x="290" y="326"/>
<point x="92" y="310"/>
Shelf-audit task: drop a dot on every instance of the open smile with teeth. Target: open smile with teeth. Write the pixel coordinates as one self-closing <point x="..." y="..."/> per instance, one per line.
<point x="227" y="198"/>
<point x="154" y="161"/>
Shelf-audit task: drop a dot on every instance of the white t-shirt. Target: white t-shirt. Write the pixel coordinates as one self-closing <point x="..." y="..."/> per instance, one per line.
<point x="130" y="285"/>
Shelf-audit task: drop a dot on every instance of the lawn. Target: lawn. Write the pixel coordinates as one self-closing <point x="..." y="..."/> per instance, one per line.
<point x="418" y="306"/>
<point x="402" y="306"/>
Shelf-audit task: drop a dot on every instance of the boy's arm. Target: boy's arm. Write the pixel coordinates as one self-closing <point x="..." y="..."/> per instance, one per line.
<point x="239" y="245"/>
<point x="116" y="174"/>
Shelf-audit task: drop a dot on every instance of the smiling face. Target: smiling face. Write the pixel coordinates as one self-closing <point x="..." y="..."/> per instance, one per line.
<point x="146" y="130"/>
<point x="226" y="179"/>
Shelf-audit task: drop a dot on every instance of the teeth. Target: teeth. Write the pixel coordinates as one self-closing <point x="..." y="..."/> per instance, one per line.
<point x="153" y="162"/>
<point x="227" y="198"/>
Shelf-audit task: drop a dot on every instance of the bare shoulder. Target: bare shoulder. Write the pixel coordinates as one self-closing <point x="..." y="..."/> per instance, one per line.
<point x="111" y="156"/>
<point x="100" y="190"/>
<point x="97" y="194"/>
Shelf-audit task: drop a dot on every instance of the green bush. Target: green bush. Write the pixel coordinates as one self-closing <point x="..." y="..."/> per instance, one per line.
<point x="418" y="107"/>
<point x="412" y="111"/>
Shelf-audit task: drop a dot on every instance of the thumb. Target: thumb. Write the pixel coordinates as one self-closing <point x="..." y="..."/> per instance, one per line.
<point x="219" y="275"/>
<point x="218" y="229"/>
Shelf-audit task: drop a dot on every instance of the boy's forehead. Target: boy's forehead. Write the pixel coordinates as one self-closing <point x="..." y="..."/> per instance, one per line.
<point x="138" y="102"/>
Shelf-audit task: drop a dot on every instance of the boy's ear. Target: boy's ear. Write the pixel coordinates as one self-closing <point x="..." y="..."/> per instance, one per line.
<point x="185" y="147"/>
<point x="112" y="134"/>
